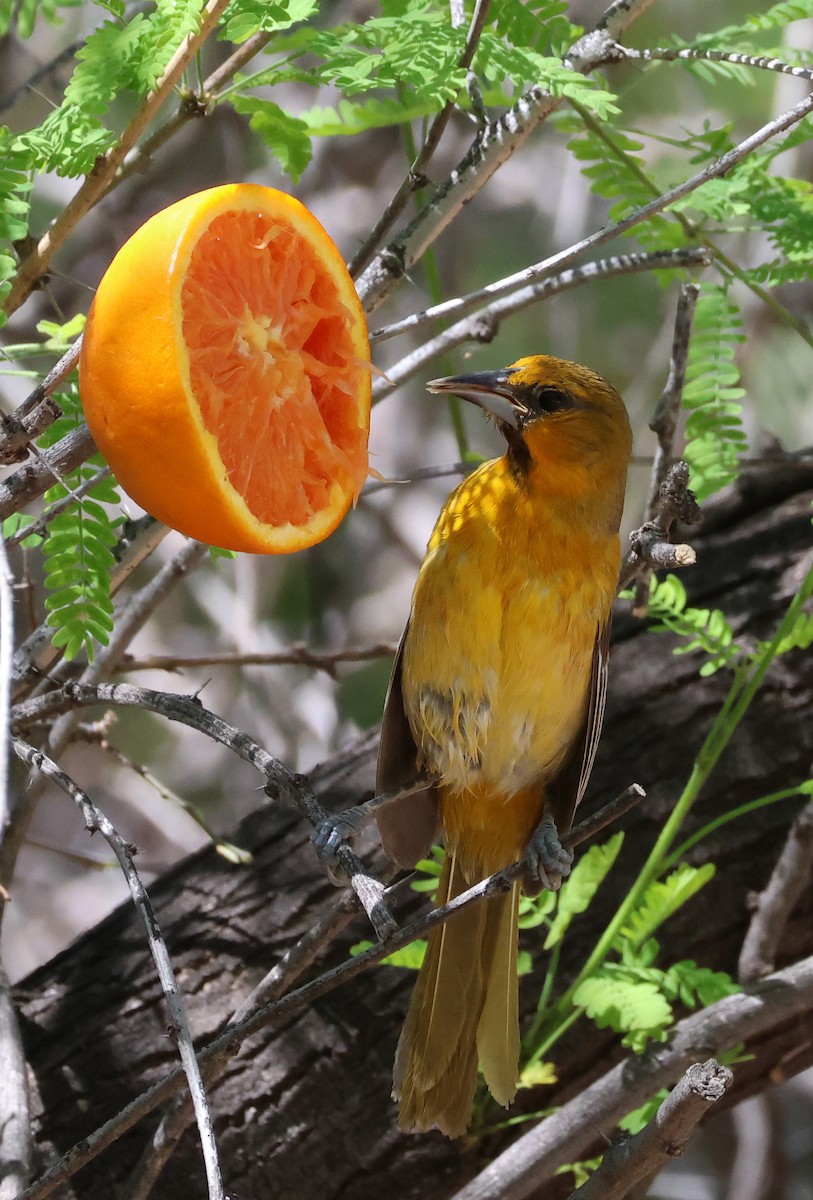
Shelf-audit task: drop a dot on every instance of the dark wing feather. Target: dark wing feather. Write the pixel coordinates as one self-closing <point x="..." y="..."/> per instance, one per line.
<point x="565" y="792"/>
<point x="408" y="827"/>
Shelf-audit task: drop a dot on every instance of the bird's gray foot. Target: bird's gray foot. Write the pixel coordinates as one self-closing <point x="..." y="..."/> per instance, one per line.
<point x="336" y="829"/>
<point x="548" y="860"/>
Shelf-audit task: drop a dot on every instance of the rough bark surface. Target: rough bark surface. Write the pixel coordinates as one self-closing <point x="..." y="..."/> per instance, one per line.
<point x="303" y="1110"/>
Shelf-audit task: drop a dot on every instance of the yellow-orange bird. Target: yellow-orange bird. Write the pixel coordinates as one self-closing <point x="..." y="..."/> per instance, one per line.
<point x="498" y="694"/>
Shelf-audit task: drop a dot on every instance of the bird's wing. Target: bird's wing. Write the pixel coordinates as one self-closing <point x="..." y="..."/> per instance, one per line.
<point x="565" y="792"/>
<point x="408" y="827"/>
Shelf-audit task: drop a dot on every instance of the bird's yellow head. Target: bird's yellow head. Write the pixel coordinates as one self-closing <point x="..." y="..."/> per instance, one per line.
<point x="555" y="416"/>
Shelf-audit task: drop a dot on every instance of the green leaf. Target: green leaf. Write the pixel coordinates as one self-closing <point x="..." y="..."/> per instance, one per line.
<point x="581" y="1170"/>
<point x="286" y="136"/>
<point x="693" y="985"/>
<point x="700" y="628"/>
<point x="243" y="18"/>
<point x="534" y="910"/>
<point x="635" y="1121"/>
<point x="577" y="892"/>
<point x="714" y="434"/>
<point x="410" y="956"/>
<point x="623" y="1004"/>
<point x="663" y="898"/>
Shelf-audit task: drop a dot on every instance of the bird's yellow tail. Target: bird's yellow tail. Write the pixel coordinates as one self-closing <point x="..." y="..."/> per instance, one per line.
<point x="464" y="1008"/>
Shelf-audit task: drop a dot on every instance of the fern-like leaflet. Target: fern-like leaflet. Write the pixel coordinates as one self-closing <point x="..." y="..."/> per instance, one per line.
<point x="703" y="629"/>
<point x="714" y="434"/>
<point x="78" y="548"/>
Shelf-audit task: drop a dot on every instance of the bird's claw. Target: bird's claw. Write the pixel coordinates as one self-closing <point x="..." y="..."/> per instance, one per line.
<point x="334" y="831"/>
<point x="549" y="862"/>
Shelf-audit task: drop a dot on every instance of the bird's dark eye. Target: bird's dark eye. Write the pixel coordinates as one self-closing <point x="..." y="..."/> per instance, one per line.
<point x="547" y="399"/>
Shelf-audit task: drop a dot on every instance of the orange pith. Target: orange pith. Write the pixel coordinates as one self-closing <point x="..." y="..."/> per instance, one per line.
<point x="224" y="371"/>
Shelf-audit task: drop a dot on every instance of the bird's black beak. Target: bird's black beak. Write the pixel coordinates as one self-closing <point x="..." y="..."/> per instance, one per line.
<point x="491" y="390"/>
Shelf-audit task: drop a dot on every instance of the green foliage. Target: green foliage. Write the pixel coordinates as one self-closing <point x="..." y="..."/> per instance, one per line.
<point x="287" y="137"/>
<point x="637" y="1009"/>
<point x="578" y="890"/>
<point x="701" y="628"/>
<point x="20" y="16"/>
<point x="244" y="18"/>
<point x="15" y="186"/>
<point x="714" y="434"/>
<point x="350" y="118"/>
<point x="409" y="957"/>
<point x="12" y="526"/>
<point x="581" y="1170"/>
<point x="661" y="899"/>
<point x="635" y="1121"/>
<point x="78" y="547"/>
<point x="617" y="172"/>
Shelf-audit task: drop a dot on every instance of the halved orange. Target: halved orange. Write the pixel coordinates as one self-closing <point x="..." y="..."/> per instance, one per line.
<point x="225" y="371"/>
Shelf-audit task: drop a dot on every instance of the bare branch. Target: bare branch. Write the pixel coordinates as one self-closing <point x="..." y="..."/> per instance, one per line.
<point x="650" y="545"/>
<point x="484" y="325"/>
<point x="38" y="527"/>
<point x="297" y="655"/>
<point x="691" y="54"/>
<point x="37" y="412"/>
<point x="175" y="1120"/>
<point x="47" y="468"/>
<point x="663" y="425"/>
<point x="95" y="820"/>
<point x="6" y="649"/>
<point x="282" y="783"/>
<point x="16" y="1142"/>
<point x="773" y="906"/>
<point x="568" y="1134"/>
<point x="631" y="1160"/>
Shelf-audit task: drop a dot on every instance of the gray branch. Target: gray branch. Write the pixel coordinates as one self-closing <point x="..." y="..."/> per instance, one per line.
<point x="631" y="1160"/>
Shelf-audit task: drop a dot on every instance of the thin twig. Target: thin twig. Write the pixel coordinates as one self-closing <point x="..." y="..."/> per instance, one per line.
<point x="175" y="1120"/>
<point x="483" y="326"/>
<point x="417" y="476"/>
<point x="90" y="1147"/>
<point x="38" y="527"/>
<point x="602" y="268"/>
<point x="298" y="655"/>
<point x="281" y="782"/>
<point x="633" y="1159"/>
<point x="37" y="412"/>
<point x="37" y="654"/>
<point x="6" y="660"/>
<point x="415" y="177"/>
<point x="35" y="477"/>
<point x="773" y="906"/>
<point x="650" y="545"/>
<point x="95" y="820"/>
<point x="664" y="421"/>
<point x="699" y="54"/>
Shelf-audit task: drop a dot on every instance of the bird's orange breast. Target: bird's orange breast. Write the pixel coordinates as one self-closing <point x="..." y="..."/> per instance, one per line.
<point x="497" y="662"/>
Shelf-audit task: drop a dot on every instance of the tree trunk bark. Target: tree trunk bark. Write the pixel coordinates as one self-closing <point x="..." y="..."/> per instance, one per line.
<point x="304" y="1110"/>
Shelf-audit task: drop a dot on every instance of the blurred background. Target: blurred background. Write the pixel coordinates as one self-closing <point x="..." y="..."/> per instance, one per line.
<point x="353" y="590"/>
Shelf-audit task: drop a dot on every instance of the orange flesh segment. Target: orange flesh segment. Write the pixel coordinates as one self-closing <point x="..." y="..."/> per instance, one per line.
<point x="265" y="331"/>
